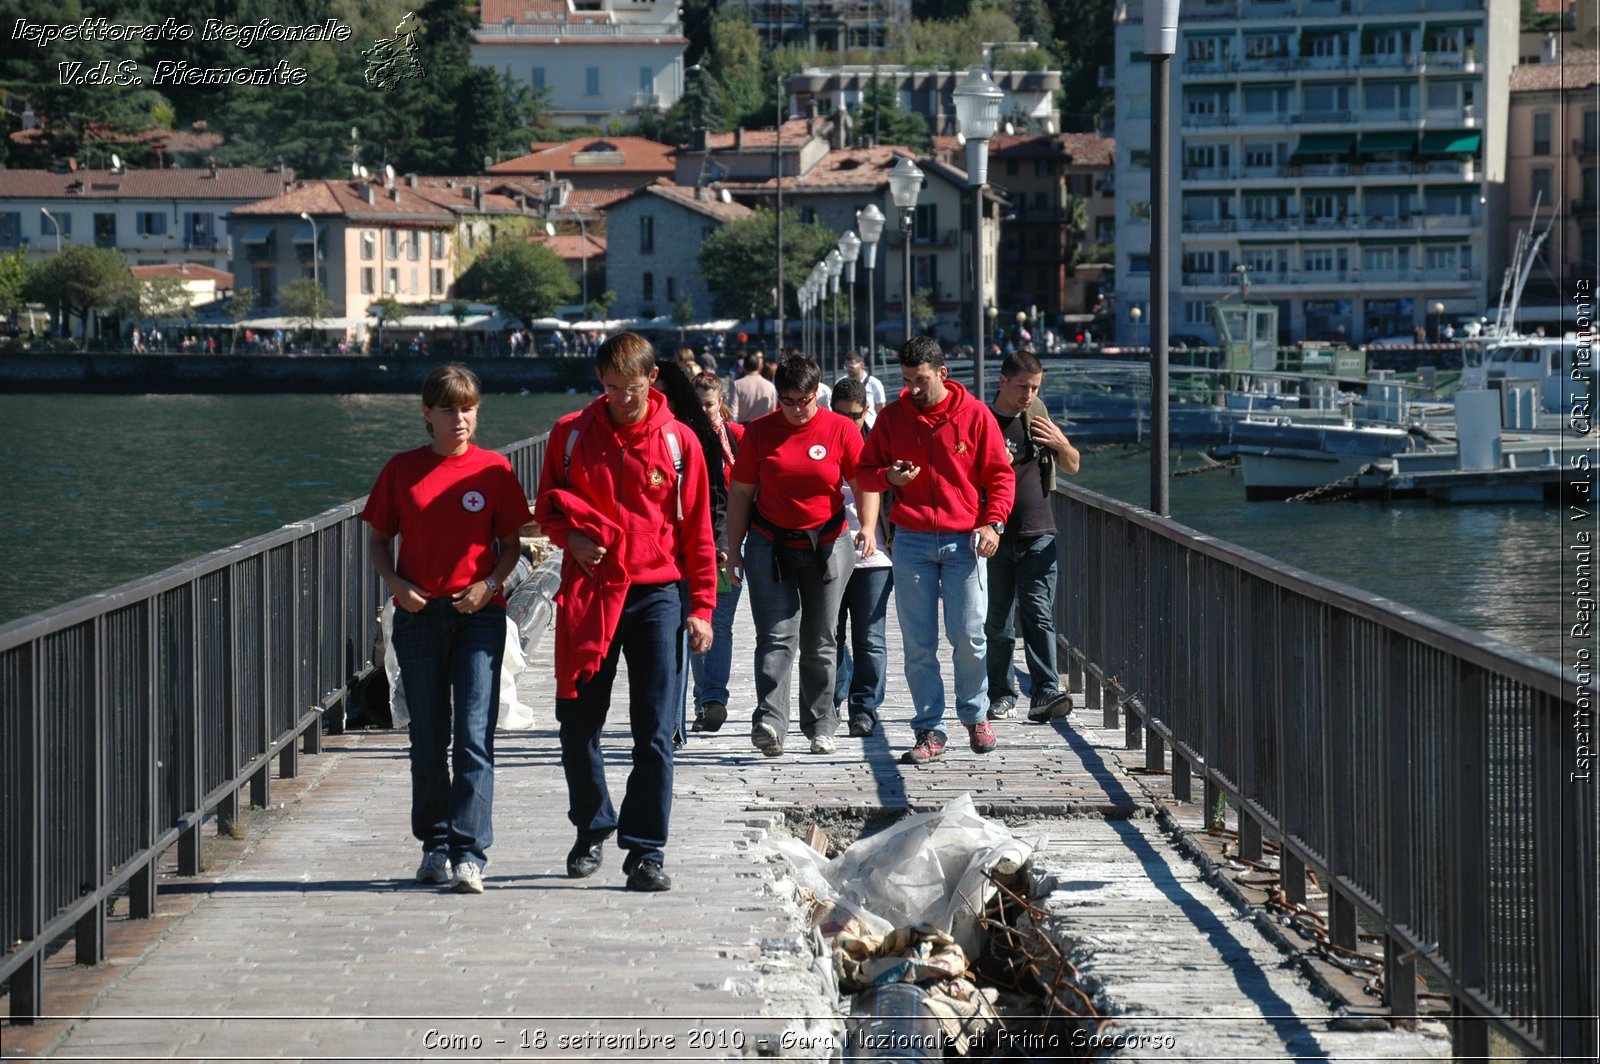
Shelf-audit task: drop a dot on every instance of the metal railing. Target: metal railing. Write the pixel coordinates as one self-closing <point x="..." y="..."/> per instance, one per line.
<point x="129" y="717"/>
<point x="1419" y="769"/>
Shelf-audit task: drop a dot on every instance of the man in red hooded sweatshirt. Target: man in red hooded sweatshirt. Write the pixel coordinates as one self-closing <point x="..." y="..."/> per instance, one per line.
<point x="941" y="451"/>
<point x="624" y="492"/>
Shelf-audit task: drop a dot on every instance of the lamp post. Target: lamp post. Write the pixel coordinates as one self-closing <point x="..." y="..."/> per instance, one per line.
<point x="977" y="101"/>
<point x="1438" y="323"/>
<point x="994" y="315"/>
<point x="55" y="222"/>
<point x="316" y="273"/>
<point x="869" y="222"/>
<point x="850" y="250"/>
<point x="1160" y="42"/>
<point x="819" y="289"/>
<point x="905" y="184"/>
<point x="1134" y="314"/>
<point x="1022" y="325"/>
<point x="834" y="265"/>
<point x="377" y="312"/>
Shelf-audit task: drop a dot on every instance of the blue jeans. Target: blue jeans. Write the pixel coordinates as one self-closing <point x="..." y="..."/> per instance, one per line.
<point x="448" y="657"/>
<point x="930" y="569"/>
<point x="864" y="658"/>
<point x="795" y="618"/>
<point x="1022" y="578"/>
<point x="650" y="636"/>
<point x="711" y="668"/>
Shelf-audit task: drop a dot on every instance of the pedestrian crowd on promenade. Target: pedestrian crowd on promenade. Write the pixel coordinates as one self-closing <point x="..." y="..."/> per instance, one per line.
<point x="674" y="493"/>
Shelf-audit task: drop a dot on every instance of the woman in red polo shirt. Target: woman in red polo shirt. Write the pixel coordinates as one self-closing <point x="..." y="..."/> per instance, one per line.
<point x="796" y="560"/>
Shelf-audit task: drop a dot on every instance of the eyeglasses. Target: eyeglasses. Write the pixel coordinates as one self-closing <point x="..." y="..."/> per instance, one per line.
<point x="853" y="415"/>
<point x="797" y="404"/>
<point x="633" y="390"/>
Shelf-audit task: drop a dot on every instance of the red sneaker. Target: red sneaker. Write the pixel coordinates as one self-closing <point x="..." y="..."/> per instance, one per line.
<point x="982" y="735"/>
<point x="930" y="744"/>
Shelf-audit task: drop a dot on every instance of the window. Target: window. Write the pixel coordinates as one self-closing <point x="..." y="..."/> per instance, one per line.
<point x="1105" y="230"/>
<point x="1327" y="99"/>
<point x="1201" y="262"/>
<point x="105" y="231"/>
<point x="1265" y="261"/>
<point x="648" y="287"/>
<point x="1139" y="264"/>
<point x="415" y="288"/>
<point x="647" y="234"/>
<point x="1319" y="260"/>
<point x="1195" y="313"/>
<point x="436" y="244"/>
<point x="1041" y="168"/>
<point x="1388" y="97"/>
<point x="369" y="245"/>
<point x="369" y="280"/>
<point x="672" y="289"/>
<point x="391" y="244"/>
<point x="1387" y="203"/>
<point x="1139" y="159"/>
<point x="413" y="246"/>
<point x="11" y="229"/>
<point x="1139" y="210"/>
<point x="1591" y="130"/>
<point x="536" y="77"/>
<point x="199" y="230"/>
<point x="647" y="79"/>
<point x="1205" y="49"/>
<point x="1541" y="133"/>
<point x="1262" y="156"/>
<point x="1040" y="202"/>
<point x="591" y="81"/>
<point x="63" y="219"/>
<point x="150" y="223"/>
<point x="1326" y="47"/>
<point x="391" y="280"/>
<point x="266" y="285"/>
<point x="925" y="274"/>
<point x="1266" y="46"/>
<point x="1539" y="186"/>
<point x="437" y="274"/>
<point x="926" y="229"/>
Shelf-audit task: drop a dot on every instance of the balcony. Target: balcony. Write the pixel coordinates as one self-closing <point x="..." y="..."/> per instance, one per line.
<point x="1585" y="147"/>
<point x="589" y="30"/>
<point x="1209" y="225"/>
<point x="647" y="101"/>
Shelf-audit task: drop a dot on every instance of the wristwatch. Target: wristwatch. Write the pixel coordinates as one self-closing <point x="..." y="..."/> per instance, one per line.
<point x="492" y="584"/>
<point x="999" y="527"/>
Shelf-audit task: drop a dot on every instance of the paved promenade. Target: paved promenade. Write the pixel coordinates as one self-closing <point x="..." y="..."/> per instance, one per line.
<point x="309" y="940"/>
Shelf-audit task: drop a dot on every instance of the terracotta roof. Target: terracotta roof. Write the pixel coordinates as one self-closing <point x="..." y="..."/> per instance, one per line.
<point x="591" y="202"/>
<point x="1553" y="7"/>
<point x="186" y="271"/>
<point x="1579" y="69"/>
<point x="685" y="196"/>
<point x="794" y="134"/>
<point x="233" y="184"/>
<point x="1079" y="149"/>
<point x="858" y="168"/>
<point x="571" y="245"/>
<point x="593" y="155"/>
<point x="346" y="198"/>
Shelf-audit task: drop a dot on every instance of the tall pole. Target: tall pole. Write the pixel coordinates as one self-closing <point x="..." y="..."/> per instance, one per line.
<point x="872" y="319"/>
<point x="778" y="152"/>
<point x="1160" y="42"/>
<point x="977" y="288"/>
<point x="906" y="217"/>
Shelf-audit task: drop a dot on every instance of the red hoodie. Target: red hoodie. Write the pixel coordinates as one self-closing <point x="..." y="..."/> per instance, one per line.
<point x="626" y="473"/>
<point x="966" y="477"/>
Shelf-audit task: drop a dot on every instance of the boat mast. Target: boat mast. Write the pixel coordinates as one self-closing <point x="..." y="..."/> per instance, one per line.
<point x="1528" y="261"/>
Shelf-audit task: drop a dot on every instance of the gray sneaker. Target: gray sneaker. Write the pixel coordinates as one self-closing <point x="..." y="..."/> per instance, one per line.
<point x="765" y="737"/>
<point x="823" y="744"/>
<point x="435" y="868"/>
<point x="1002" y="708"/>
<point x="468" y="878"/>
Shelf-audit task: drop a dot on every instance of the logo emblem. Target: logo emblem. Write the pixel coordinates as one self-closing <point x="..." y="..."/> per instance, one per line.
<point x="472" y="501"/>
<point x="657" y="478"/>
<point x="961" y="448"/>
<point x="817" y="452"/>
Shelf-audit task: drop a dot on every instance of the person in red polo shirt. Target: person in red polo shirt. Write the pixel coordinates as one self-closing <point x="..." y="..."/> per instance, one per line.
<point x="940" y="449"/>
<point x="787" y="492"/>
<point x="457" y="510"/>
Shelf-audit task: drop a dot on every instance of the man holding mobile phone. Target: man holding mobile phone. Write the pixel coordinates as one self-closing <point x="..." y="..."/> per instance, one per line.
<point x="941" y="451"/>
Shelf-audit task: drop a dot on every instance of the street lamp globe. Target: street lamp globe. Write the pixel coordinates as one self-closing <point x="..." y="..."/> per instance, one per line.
<point x="869" y="223"/>
<point x="905" y="184"/>
<point x="850" y="250"/>
<point x="832" y="266"/>
<point x="977" y="101"/>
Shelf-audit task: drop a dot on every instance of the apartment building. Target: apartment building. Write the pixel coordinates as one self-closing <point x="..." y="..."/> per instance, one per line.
<point x="598" y="60"/>
<point x="409" y="238"/>
<point x="1063" y="208"/>
<point x="1029" y="95"/>
<point x="1344" y="158"/>
<point x="832" y="25"/>
<point x="150" y="217"/>
<point x="1553" y="161"/>
<point x="653" y="247"/>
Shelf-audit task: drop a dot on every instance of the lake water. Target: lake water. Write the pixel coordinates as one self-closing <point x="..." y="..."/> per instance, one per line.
<point x="99" y="490"/>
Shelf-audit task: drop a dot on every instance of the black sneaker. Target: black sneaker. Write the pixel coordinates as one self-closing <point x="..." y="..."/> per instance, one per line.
<point x="862" y="726"/>
<point x="648" y="875"/>
<point x="1002" y="708"/>
<point x="583" y="860"/>
<point x="711" y="717"/>
<point x="1049" y="704"/>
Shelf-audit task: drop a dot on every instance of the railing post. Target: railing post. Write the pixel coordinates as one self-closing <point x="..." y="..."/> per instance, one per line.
<point x="1342" y="929"/>
<point x="1131" y="738"/>
<point x="1249" y="837"/>
<point x="1182" y="788"/>
<point x="188" y="743"/>
<point x="1291" y="875"/>
<point x="89" y="934"/>
<point x="27" y="983"/>
<point x="1213" y="816"/>
<point x="1155" y="751"/>
<point x="1399" y="964"/>
<point x="142" y="888"/>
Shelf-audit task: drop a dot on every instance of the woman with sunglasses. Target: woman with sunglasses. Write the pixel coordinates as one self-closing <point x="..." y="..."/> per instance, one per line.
<point x="787" y="493"/>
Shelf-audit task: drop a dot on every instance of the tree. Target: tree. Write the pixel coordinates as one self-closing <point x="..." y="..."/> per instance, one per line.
<point x="922" y="312"/>
<point x="736" y="62"/>
<point x="738" y="261"/>
<point x="14" y="276"/>
<point x="525" y="280"/>
<point x="883" y="119"/>
<point x="682" y="315"/>
<point x="306" y="301"/>
<point x="82" y="280"/>
<point x="162" y="298"/>
<point x="240" y="304"/>
<point x="600" y="309"/>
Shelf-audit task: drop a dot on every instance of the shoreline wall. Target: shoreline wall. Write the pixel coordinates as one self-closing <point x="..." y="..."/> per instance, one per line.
<point x="116" y="374"/>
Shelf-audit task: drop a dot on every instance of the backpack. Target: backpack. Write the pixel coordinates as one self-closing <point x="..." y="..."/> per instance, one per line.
<point x="672" y="446"/>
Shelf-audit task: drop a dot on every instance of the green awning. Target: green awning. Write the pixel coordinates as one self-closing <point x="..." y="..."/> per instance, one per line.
<point x="1448" y="143"/>
<point x="1325" y="144"/>
<point x="1374" y="143"/>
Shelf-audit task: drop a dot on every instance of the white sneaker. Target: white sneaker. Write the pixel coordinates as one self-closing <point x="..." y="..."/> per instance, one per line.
<point x="468" y="879"/>
<point x="435" y="868"/>
<point x="822" y="744"/>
